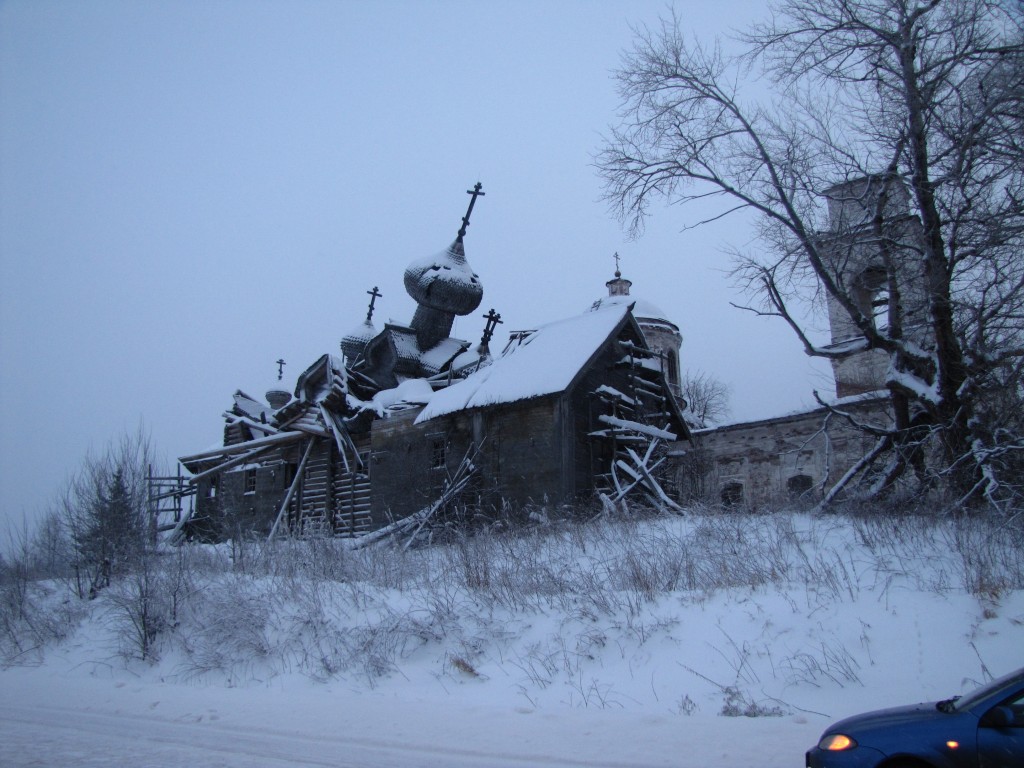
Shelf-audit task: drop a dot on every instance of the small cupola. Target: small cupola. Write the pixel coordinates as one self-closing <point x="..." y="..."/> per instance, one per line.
<point x="277" y="396"/>
<point x="618" y="285"/>
<point x="354" y="342"/>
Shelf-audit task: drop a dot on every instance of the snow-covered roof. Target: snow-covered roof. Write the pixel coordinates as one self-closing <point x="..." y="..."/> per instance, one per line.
<point x="544" y="363"/>
<point x="468" y="358"/>
<point x="248" y="405"/>
<point x="325" y="379"/>
<point x="353" y="342"/>
<point x="404" y="340"/>
<point x="841" y="402"/>
<point x="438" y="356"/>
<point x="432" y="360"/>
<point x="643" y="310"/>
<point x="410" y="391"/>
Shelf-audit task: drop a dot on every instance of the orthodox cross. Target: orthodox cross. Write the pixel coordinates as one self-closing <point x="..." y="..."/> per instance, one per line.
<point x="374" y="295"/>
<point x="616" y="257"/>
<point x="475" y="192"/>
<point x="493" y="319"/>
<point x="280" y="368"/>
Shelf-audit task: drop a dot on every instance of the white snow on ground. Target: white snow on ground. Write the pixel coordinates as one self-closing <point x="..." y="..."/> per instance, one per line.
<point x="486" y="653"/>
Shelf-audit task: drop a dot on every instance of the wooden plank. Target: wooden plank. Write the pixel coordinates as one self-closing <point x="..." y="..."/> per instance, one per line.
<point x="260" y="442"/>
<point x="291" y="490"/>
<point x="244" y="458"/>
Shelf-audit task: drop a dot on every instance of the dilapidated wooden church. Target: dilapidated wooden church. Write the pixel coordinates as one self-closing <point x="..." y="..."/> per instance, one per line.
<point x="407" y="420"/>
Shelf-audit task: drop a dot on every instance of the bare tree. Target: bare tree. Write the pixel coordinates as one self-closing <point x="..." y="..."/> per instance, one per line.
<point x="707" y="398"/>
<point x="893" y="128"/>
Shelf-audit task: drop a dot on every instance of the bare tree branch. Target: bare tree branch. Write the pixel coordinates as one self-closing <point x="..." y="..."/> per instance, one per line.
<point x="888" y="160"/>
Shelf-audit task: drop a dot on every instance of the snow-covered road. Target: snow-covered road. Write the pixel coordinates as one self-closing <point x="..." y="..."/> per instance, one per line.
<point x="53" y="736"/>
<point x="84" y="722"/>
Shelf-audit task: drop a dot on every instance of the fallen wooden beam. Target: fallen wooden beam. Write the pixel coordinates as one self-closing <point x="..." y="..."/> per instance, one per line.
<point x="223" y="467"/>
<point x="250" y="423"/>
<point x="229" y="450"/>
<point x="296" y="481"/>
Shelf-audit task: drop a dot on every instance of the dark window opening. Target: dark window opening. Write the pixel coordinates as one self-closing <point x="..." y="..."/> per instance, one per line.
<point x="732" y="494"/>
<point x="438" y="453"/>
<point x="250" y="481"/>
<point x="798" y="485"/>
<point x="673" y="368"/>
<point x="873" y="296"/>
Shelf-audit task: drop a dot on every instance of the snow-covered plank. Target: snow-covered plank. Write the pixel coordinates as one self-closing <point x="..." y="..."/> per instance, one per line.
<point x="637" y="350"/>
<point x="250" y="423"/>
<point x="229" y="464"/>
<point x="636" y="426"/>
<point x="259" y="442"/>
<point x="614" y="394"/>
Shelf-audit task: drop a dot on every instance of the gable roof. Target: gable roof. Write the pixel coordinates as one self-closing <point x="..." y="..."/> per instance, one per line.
<point x="545" y="362"/>
<point x="247" y="405"/>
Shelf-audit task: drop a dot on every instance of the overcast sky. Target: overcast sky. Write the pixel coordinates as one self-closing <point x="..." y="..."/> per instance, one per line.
<point x="191" y="190"/>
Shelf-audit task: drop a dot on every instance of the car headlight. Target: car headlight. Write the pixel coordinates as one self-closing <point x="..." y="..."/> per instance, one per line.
<point x="836" y="742"/>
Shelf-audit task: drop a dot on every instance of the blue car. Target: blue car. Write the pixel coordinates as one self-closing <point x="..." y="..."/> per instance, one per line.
<point x="984" y="729"/>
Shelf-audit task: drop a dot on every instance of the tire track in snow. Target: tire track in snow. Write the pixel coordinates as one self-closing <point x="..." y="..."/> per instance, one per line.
<point x="47" y="736"/>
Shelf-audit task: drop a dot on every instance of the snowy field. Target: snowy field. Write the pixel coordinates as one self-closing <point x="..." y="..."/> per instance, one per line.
<point x="701" y="641"/>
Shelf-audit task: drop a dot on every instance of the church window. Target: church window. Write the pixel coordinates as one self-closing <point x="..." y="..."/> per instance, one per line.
<point x="798" y="485"/>
<point x="732" y="494"/>
<point x="872" y="296"/>
<point x="438" y="453"/>
<point x="250" y="481"/>
<point x="673" y="368"/>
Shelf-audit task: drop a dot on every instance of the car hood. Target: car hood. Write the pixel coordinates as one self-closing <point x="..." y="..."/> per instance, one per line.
<point x="889" y="718"/>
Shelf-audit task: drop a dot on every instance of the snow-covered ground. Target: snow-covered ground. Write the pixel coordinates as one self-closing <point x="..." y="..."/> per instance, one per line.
<point x="701" y="641"/>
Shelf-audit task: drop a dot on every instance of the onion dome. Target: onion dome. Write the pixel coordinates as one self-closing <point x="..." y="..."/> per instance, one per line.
<point x="354" y="342"/>
<point x="445" y="282"/>
<point x="443" y="286"/>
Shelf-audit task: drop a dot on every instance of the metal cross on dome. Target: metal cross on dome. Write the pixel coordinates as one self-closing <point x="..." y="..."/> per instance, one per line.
<point x="493" y="319"/>
<point x="374" y="295"/>
<point x="280" y="368"/>
<point x="617" y="257"/>
<point x="476" y="192"/>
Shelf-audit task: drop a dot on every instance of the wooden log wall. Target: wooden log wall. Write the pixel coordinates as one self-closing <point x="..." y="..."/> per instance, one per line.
<point x="332" y="500"/>
<point x="352" y="495"/>
<point x="316" y="492"/>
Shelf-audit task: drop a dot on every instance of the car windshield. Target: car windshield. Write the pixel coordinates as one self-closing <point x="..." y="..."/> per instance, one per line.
<point x="966" y="702"/>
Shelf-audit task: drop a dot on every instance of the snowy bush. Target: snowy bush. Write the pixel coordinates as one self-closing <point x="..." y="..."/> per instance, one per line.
<point x="227" y="626"/>
<point x="33" y="615"/>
